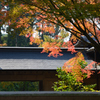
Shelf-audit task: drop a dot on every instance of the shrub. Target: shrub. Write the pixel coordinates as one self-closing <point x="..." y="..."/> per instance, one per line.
<point x="72" y="74"/>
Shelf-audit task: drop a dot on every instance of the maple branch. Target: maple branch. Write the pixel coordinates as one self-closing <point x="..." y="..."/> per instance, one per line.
<point x="95" y="31"/>
<point x="66" y="17"/>
<point x="67" y="29"/>
<point x="73" y="30"/>
<point x="88" y="30"/>
<point x="84" y="32"/>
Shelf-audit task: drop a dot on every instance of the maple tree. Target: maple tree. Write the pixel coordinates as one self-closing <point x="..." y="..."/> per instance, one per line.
<point x="80" y="17"/>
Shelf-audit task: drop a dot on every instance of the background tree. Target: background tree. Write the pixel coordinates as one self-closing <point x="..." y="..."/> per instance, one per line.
<point x="16" y="40"/>
<point x="19" y="86"/>
<point x="3" y="13"/>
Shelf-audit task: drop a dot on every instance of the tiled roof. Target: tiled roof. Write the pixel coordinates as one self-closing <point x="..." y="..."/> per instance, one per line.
<point x="24" y="58"/>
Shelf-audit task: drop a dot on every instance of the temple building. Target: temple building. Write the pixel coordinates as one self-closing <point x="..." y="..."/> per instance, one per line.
<point x="29" y="64"/>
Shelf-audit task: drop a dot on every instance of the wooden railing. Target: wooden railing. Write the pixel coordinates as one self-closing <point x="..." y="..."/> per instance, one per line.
<point x="49" y="95"/>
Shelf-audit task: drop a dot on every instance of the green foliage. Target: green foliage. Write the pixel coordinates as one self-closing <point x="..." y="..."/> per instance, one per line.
<point x="19" y="86"/>
<point x="68" y="82"/>
<point x="4" y="38"/>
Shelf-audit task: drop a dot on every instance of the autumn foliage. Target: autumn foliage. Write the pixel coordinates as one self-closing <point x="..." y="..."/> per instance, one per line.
<point x="79" y="17"/>
<point x="74" y="66"/>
